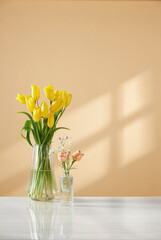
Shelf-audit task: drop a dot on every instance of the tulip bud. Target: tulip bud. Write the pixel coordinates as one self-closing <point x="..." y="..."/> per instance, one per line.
<point x="63" y="156"/>
<point x="49" y="92"/>
<point x="68" y="99"/>
<point x="37" y="114"/>
<point x="44" y="109"/>
<point x="21" y="98"/>
<point x="77" y="156"/>
<point x="30" y="103"/>
<point x="50" y="121"/>
<point x="35" y="92"/>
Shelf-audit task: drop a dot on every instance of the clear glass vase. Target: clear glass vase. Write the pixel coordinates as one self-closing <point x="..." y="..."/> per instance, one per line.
<point x="66" y="187"/>
<point x="42" y="184"/>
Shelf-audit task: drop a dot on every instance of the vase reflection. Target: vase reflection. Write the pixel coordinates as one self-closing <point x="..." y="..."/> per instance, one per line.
<point x="50" y="220"/>
<point x="66" y="221"/>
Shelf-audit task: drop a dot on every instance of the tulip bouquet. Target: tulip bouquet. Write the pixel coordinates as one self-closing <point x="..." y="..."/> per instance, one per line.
<point x="65" y="157"/>
<point x="42" y="124"/>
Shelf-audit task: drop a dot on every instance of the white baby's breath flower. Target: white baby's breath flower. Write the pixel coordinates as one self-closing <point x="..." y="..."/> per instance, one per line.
<point x="59" y="148"/>
<point x="70" y="143"/>
<point x="68" y="150"/>
<point x="62" y="149"/>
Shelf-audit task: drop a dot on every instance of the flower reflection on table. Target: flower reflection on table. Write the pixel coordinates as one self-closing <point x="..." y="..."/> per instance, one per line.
<point x="50" y="220"/>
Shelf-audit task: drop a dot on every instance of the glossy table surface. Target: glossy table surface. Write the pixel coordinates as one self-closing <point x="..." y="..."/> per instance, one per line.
<point x="106" y="218"/>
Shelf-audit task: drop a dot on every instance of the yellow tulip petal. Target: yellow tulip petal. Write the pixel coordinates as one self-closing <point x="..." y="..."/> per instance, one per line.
<point x="68" y="99"/>
<point x="35" y="92"/>
<point x="55" y="105"/>
<point x="50" y="87"/>
<point x="50" y="121"/>
<point x="61" y="105"/>
<point x="63" y="94"/>
<point x="27" y="97"/>
<point x="30" y="103"/>
<point x="56" y="94"/>
<point x="49" y="92"/>
<point x="21" y="98"/>
<point x="37" y="114"/>
<point x="44" y="109"/>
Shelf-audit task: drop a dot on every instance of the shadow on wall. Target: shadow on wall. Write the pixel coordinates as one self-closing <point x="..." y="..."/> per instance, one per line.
<point x="119" y="138"/>
<point x="121" y="158"/>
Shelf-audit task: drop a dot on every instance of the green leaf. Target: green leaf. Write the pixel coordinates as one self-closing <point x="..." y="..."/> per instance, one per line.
<point x="60" y="113"/>
<point x="35" y="137"/>
<point x="34" y="126"/>
<point x="44" y="130"/>
<point x="56" y="129"/>
<point x="48" y="137"/>
<point x="56" y="114"/>
<point x="39" y="125"/>
<point x="53" y="131"/>
<point x="27" y="128"/>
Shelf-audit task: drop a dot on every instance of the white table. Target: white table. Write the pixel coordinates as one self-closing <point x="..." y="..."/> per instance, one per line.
<point x="111" y="218"/>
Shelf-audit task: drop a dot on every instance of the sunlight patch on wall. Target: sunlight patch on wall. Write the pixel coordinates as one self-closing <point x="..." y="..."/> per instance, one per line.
<point x="89" y="118"/>
<point x="94" y="165"/>
<point x="137" y="139"/>
<point x="135" y="94"/>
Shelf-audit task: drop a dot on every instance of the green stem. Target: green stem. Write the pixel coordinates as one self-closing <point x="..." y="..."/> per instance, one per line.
<point x="42" y="182"/>
<point x="46" y="136"/>
<point x="44" y="122"/>
<point x="38" y="135"/>
<point x="72" y="163"/>
<point x="60" y="115"/>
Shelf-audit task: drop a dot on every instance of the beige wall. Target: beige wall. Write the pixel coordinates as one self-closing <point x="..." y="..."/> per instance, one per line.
<point x="108" y="55"/>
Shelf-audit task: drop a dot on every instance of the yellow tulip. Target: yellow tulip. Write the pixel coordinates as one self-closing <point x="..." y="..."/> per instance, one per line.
<point x="61" y="105"/>
<point x="63" y="94"/>
<point x="56" y="94"/>
<point x="30" y="103"/>
<point x="50" y="121"/>
<point x="37" y="114"/>
<point x="35" y="92"/>
<point x="27" y="97"/>
<point x="21" y="98"/>
<point x="68" y="99"/>
<point x="56" y="105"/>
<point x="49" y="92"/>
<point x="44" y="109"/>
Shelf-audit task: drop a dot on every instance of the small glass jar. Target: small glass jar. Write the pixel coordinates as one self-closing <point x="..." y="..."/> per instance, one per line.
<point x="66" y="187"/>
